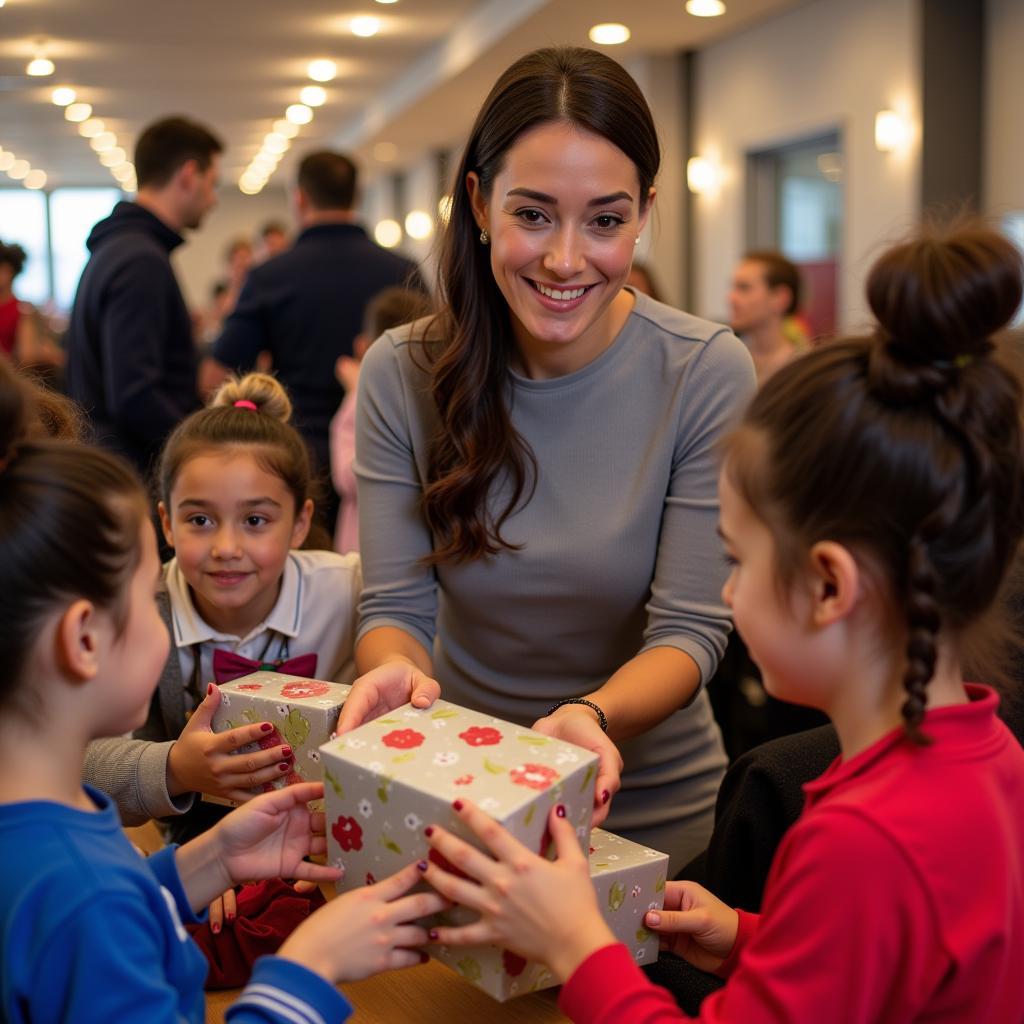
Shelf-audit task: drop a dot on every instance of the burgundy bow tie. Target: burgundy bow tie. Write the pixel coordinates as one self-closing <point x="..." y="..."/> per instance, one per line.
<point x="227" y="666"/>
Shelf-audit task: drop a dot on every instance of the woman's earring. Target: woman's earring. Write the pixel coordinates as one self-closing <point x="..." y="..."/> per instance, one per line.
<point x="485" y="238"/>
<point x="636" y="241"/>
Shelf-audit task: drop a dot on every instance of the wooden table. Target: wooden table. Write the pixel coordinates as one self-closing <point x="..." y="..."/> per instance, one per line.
<point x="429" y="994"/>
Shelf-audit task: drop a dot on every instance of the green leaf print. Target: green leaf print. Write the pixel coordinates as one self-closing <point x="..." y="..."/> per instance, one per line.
<point x="616" y="896"/>
<point x="469" y="969"/>
<point x="642" y="935"/>
<point x="534" y="741"/>
<point x="250" y="716"/>
<point x="382" y="789"/>
<point x="493" y="767"/>
<point x="659" y="886"/>
<point x="390" y="844"/>
<point x="334" y="783"/>
<point x="529" y="814"/>
<point x="295" y="728"/>
<point x="601" y="865"/>
<point x="386" y="721"/>
<point x="587" y="778"/>
<point x="227" y="725"/>
<point x="445" y="713"/>
<point x="403" y="757"/>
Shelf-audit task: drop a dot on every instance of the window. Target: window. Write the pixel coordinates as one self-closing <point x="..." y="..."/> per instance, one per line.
<point x="23" y="220"/>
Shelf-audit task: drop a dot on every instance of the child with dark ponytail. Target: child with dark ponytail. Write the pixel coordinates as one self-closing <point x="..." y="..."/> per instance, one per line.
<point x="872" y="502"/>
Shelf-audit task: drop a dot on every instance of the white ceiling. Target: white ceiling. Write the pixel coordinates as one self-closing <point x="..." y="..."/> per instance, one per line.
<point x="237" y="64"/>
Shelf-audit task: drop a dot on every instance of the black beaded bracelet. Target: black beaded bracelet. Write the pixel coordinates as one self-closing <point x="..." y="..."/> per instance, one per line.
<point x="601" y="719"/>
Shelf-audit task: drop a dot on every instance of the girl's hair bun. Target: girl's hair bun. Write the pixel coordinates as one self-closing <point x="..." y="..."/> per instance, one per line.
<point x="264" y="391"/>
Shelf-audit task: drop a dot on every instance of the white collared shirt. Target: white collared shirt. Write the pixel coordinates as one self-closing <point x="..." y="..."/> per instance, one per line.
<point x="315" y="613"/>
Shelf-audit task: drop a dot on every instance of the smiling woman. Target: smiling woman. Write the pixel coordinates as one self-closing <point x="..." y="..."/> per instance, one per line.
<point x="536" y="464"/>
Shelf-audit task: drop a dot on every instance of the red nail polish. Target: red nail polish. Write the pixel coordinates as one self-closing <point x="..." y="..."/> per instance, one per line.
<point x="432" y="935"/>
<point x="215" y="928"/>
<point x="560" y="810"/>
<point x="229" y="917"/>
<point x="428" y="831"/>
<point x="605" y="796"/>
<point x="266" y="727"/>
<point x="209" y="689"/>
<point x="457" y="805"/>
<point x="286" y="751"/>
<point x="283" y="767"/>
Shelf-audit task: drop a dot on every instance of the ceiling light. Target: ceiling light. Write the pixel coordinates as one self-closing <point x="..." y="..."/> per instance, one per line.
<point x="112" y="157"/>
<point x="705" y="8"/>
<point x="313" y="95"/>
<point x="265" y="159"/>
<point x="702" y="175"/>
<point x="892" y="131"/>
<point x="103" y="142"/>
<point x="378" y="1"/>
<point x="63" y="95"/>
<point x="274" y="143"/>
<point x="19" y="169"/>
<point x="35" y="179"/>
<point x="78" y="112"/>
<point x="419" y="225"/>
<point x="123" y="172"/>
<point x="40" y="67"/>
<point x="365" y="26"/>
<point x="91" y="128"/>
<point x="282" y="126"/>
<point x="610" y="33"/>
<point x="322" y="70"/>
<point x="299" y="113"/>
<point x="385" y="152"/>
<point x="388" y="233"/>
<point x="6" y="160"/>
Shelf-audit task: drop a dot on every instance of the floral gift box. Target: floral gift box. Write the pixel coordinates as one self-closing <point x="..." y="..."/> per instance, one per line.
<point x="304" y="713"/>
<point x="391" y="777"/>
<point x="630" y="880"/>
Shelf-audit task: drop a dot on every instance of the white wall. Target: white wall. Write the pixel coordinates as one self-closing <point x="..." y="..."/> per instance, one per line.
<point x="1004" y="123"/>
<point x="200" y="262"/>
<point x="829" y="64"/>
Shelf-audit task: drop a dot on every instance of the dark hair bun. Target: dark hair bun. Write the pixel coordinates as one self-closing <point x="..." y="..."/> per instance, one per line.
<point x="267" y="393"/>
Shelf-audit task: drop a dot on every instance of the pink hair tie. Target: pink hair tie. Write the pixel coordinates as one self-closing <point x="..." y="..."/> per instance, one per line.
<point x="244" y="403"/>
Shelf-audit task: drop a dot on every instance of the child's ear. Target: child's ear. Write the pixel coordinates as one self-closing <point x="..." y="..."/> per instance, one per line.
<point x="835" y="582"/>
<point x="165" y="523"/>
<point x="78" y="641"/>
<point x="303" y="521"/>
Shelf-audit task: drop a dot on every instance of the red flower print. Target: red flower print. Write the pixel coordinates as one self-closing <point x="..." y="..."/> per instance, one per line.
<point x="403" y="739"/>
<point x="463" y="780"/>
<point x="445" y="864"/>
<point x="370" y="880"/>
<point x="480" y="736"/>
<point x="300" y="691"/>
<point x="249" y="686"/>
<point x="536" y="776"/>
<point x="514" y="965"/>
<point x="348" y="833"/>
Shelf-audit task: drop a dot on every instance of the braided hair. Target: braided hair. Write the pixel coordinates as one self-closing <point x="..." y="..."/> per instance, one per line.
<point x="905" y="445"/>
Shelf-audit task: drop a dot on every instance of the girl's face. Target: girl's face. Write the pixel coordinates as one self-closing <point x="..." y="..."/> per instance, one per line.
<point x="232" y="523"/>
<point x="563" y="215"/>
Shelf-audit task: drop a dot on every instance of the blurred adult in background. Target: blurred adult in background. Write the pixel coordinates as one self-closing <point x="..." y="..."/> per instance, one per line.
<point x="305" y="306"/>
<point x="239" y="259"/>
<point x="641" y="279"/>
<point x="24" y="338"/>
<point x="765" y="292"/>
<point x="131" y="355"/>
<point x="273" y="240"/>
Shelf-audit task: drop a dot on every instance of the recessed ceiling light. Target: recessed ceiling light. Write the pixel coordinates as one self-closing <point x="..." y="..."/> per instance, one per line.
<point x="419" y="224"/>
<point x="91" y="128"/>
<point x="378" y="1"/>
<point x="365" y="25"/>
<point x="78" y="112"/>
<point x="285" y="127"/>
<point x="35" y="179"/>
<point x="112" y="157"/>
<point x="609" y="33"/>
<point x="299" y="113"/>
<point x="385" y="152"/>
<point x="19" y="169"/>
<point x="6" y="160"/>
<point x="322" y="70"/>
<point x="275" y="143"/>
<point x="705" y="8"/>
<point x="40" y="67"/>
<point x="388" y="233"/>
<point x="103" y="142"/>
<point x="313" y="95"/>
<point x="63" y="95"/>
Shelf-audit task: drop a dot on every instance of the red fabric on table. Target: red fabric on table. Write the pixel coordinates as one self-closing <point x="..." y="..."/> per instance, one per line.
<point x="268" y="912"/>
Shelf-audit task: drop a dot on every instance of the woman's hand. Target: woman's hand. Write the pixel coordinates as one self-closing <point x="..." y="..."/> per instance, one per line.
<point x="576" y="723"/>
<point x="203" y="761"/>
<point x="695" y="925"/>
<point x="385" y="688"/>
<point x="366" y="931"/>
<point x="543" y="910"/>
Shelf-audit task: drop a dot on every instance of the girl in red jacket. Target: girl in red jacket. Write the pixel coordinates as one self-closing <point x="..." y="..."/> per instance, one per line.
<point x="871" y="502"/>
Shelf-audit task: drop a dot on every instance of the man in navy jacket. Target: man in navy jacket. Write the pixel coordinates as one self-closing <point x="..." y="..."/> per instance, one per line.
<point x="131" y="355"/>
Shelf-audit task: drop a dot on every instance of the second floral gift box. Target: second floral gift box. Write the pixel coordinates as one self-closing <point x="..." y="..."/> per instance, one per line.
<point x="390" y="778"/>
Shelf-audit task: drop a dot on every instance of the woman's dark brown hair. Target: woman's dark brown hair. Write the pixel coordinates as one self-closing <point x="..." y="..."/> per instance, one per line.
<point x="70" y="520"/>
<point x="477" y="450"/>
<point x="906" y="446"/>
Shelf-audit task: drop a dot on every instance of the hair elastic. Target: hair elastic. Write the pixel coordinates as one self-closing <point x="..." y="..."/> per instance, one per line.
<point x="244" y="403"/>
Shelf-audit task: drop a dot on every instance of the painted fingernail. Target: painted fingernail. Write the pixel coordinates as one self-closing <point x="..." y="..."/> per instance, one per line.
<point x="286" y="751"/>
<point x="560" y="810"/>
<point x="432" y="935"/>
<point x="457" y="805"/>
<point x="605" y="796"/>
<point x="209" y="689"/>
<point x="283" y="767"/>
<point x="215" y="928"/>
<point x="428" y="831"/>
<point x="422" y="865"/>
<point x="266" y="727"/>
<point x="424" y="957"/>
<point x="229" y="917"/>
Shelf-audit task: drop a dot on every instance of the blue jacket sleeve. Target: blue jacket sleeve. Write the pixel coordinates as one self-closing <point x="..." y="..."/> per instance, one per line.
<point x="245" y="334"/>
<point x="283" y="992"/>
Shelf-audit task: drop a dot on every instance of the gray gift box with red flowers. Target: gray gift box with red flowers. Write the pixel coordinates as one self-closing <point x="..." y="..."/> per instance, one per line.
<point x="390" y="778"/>
<point x="304" y="713"/>
<point x="629" y="880"/>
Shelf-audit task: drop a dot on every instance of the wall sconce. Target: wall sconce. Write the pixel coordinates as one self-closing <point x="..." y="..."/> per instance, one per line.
<point x="892" y="131"/>
<point x="702" y="175"/>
